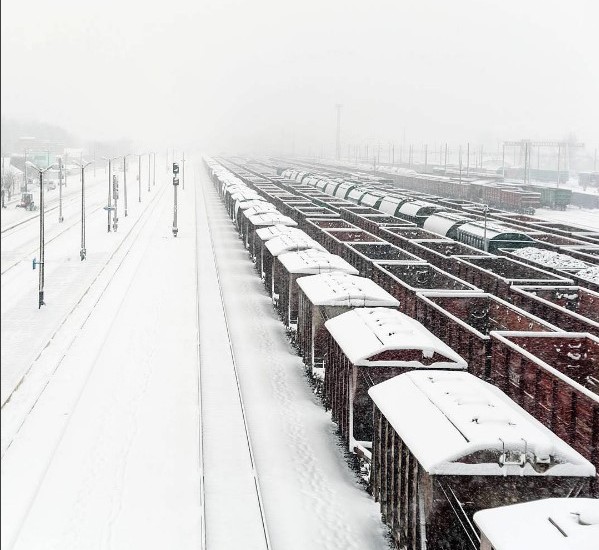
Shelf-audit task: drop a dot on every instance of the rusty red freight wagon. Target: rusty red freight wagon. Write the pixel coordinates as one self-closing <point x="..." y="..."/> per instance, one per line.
<point x="464" y="322"/>
<point x="555" y="377"/>
<point x="496" y="274"/>
<point x="405" y="280"/>
<point x="323" y="297"/>
<point x="334" y="239"/>
<point x="572" y="308"/>
<point x="440" y="252"/>
<point x="366" y="346"/>
<point x="447" y="445"/>
<point x="264" y="219"/>
<point x="280" y="245"/>
<point x="264" y="234"/>
<point x="291" y="267"/>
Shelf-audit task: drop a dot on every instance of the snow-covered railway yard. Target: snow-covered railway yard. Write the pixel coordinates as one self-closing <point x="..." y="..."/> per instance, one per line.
<point x="155" y="401"/>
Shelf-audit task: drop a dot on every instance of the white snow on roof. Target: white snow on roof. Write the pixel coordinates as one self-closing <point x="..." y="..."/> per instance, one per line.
<point x="362" y="333"/>
<point x="270" y="218"/>
<point x="442" y="222"/>
<point x="259" y="208"/>
<point x="548" y="524"/>
<point x="311" y="261"/>
<point x="459" y="414"/>
<point x="411" y="208"/>
<point x="342" y="289"/>
<point x="493" y="230"/>
<point x="291" y="242"/>
<point x="267" y="233"/>
<point x="389" y="205"/>
<point x="370" y="199"/>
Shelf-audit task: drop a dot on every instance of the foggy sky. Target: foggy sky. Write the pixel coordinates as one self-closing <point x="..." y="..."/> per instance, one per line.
<point x="265" y="73"/>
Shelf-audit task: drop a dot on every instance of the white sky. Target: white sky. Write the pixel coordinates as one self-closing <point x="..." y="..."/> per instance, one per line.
<point x="262" y="73"/>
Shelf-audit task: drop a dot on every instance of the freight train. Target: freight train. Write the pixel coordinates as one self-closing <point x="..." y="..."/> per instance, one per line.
<point x="452" y="394"/>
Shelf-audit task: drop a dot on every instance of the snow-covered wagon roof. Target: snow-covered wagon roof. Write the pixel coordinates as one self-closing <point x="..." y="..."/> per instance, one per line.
<point x="459" y="416"/>
<point x="493" y="230"/>
<point x="442" y="222"/>
<point x="343" y="289"/>
<point x="267" y="233"/>
<point x="270" y="218"/>
<point x="412" y="208"/>
<point x="548" y="524"/>
<point x="365" y="335"/>
<point x="291" y="243"/>
<point x="370" y="199"/>
<point x="259" y="208"/>
<point x="311" y="261"/>
<point x="389" y="204"/>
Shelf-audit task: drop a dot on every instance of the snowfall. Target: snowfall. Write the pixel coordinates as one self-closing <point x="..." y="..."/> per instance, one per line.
<point x="107" y="441"/>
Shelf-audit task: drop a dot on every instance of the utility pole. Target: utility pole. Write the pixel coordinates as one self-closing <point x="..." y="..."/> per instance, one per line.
<point x="83" y="251"/>
<point x="60" y="217"/>
<point x="338" y="141"/>
<point x="175" y="185"/>
<point x="460" y="155"/>
<point x="150" y="169"/>
<point x="559" y="150"/>
<point x="183" y="170"/>
<point x="154" y="173"/>
<point x="115" y="196"/>
<point x="109" y="206"/>
<point x="425" y="157"/>
<point x="468" y="161"/>
<point x="503" y="163"/>
<point x="40" y="262"/>
<point x="66" y="169"/>
<point x="125" y="181"/>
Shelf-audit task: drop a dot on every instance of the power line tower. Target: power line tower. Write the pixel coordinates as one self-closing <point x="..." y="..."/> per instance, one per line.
<point x="526" y="146"/>
<point x="338" y="144"/>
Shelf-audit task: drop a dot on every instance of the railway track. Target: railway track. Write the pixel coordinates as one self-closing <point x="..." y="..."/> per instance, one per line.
<point x="62" y="230"/>
<point x="203" y="439"/>
<point x="12" y="229"/>
<point x="78" y="314"/>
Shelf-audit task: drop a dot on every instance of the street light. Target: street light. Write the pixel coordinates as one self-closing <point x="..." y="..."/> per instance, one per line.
<point x="42" y="251"/>
<point x="125" y="179"/>
<point x="83" y="251"/>
<point x="109" y="208"/>
<point x="139" y="176"/>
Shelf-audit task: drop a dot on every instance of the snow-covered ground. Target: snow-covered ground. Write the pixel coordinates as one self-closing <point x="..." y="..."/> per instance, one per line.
<point x="586" y="218"/>
<point x="105" y="436"/>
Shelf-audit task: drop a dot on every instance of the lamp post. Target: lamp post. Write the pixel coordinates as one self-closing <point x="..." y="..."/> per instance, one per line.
<point x="139" y="176"/>
<point x="109" y="206"/>
<point x="83" y="251"/>
<point x="40" y="262"/>
<point x="125" y="180"/>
